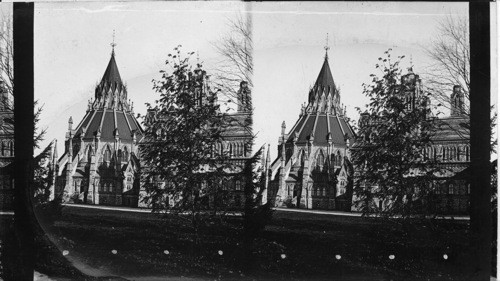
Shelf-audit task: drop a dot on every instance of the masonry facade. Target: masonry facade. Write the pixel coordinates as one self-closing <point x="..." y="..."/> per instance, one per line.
<point x="100" y="164"/>
<point x="6" y="148"/>
<point x="236" y="143"/>
<point x="313" y="168"/>
<point x="449" y="146"/>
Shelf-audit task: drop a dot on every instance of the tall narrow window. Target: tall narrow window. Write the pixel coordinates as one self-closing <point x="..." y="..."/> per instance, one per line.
<point x="125" y="155"/>
<point x="107" y="154"/>
<point x="320" y="160"/>
<point x="451" y="189"/>
<point x="89" y="154"/>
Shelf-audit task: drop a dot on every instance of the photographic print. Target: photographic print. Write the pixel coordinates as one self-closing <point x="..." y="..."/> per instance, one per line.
<point x="250" y="141"/>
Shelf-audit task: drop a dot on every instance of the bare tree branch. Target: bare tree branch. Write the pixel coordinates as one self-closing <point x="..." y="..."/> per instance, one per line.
<point x="450" y="54"/>
<point x="236" y="51"/>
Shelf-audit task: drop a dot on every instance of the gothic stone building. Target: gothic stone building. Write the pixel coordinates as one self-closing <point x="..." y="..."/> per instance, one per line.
<point x="312" y="169"/>
<point x="6" y="148"/>
<point x="236" y="138"/>
<point x="449" y="146"/>
<point x="237" y="142"/>
<point x="100" y="164"/>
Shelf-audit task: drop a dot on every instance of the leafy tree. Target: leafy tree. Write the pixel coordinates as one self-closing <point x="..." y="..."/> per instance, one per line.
<point x="256" y="215"/>
<point x="390" y="154"/>
<point x="236" y="65"/>
<point x="183" y="162"/>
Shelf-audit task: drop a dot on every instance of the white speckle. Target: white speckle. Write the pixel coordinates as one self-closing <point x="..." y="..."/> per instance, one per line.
<point x="166" y="252"/>
<point x="65" y="252"/>
<point x="114" y="252"/>
<point x="220" y="252"/>
<point x="445" y="256"/>
<point x="283" y="256"/>
<point x="338" y="257"/>
<point x="391" y="257"/>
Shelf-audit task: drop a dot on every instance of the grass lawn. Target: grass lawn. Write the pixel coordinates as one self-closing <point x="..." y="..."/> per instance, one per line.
<point x="293" y="246"/>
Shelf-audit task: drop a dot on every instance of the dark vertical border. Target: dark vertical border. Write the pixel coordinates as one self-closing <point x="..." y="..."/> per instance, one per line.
<point x="23" y="140"/>
<point x="480" y="215"/>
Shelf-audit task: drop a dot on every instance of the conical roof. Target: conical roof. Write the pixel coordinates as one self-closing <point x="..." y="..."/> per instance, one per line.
<point x="111" y="75"/>
<point x="110" y="115"/>
<point x="325" y="77"/>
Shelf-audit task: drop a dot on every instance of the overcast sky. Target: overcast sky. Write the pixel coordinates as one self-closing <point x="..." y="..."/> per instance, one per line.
<point x="72" y="49"/>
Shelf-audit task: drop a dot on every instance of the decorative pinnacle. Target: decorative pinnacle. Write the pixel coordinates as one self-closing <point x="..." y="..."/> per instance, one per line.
<point x="327" y="47"/>
<point x="113" y="44"/>
<point x="410" y="69"/>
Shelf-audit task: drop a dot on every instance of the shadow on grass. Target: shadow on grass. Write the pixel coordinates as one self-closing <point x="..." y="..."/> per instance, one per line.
<point x="293" y="246"/>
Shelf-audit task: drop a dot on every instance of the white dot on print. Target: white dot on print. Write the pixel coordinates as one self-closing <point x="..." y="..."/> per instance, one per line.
<point x="338" y="257"/>
<point x="391" y="257"/>
<point x="283" y="256"/>
<point x="65" y="252"/>
<point x="166" y="252"/>
<point x="445" y="256"/>
<point x="220" y="252"/>
<point x="114" y="252"/>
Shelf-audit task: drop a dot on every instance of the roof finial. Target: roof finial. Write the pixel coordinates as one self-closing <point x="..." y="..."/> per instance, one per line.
<point x="410" y="69"/>
<point x="197" y="58"/>
<point x="113" y="44"/>
<point x="327" y="47"/>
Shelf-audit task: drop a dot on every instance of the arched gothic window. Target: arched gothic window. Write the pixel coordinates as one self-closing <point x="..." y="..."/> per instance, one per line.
<point x="225" y="184"/>
<point x="451" y="189"/>
<point x="11" y="148"/>
<point x="107" y="154"/>
<point x="89" y="153"/>
<point x="320" y="160"/>
<point x="125" y="154"/>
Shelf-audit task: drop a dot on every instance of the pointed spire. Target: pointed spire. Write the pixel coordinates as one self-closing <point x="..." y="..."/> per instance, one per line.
<point x="410" y="69"/>
<point x="268" y="157"/>
<point x="111" y="75"/>
<point x="327" y="47"/>
<point x="113" y="44"/>
<point x="325" y="78"/>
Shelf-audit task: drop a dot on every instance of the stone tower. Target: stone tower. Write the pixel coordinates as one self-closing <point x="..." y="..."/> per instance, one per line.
<point x="457" y="101"/>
